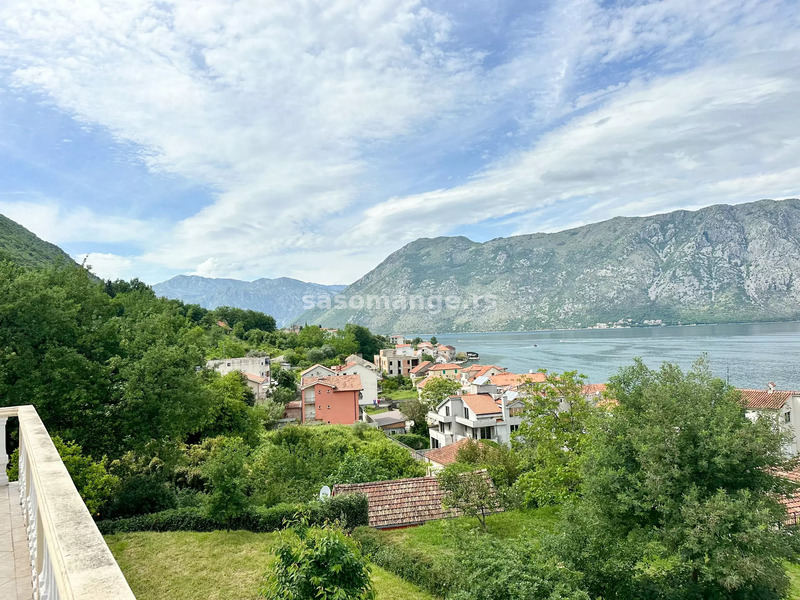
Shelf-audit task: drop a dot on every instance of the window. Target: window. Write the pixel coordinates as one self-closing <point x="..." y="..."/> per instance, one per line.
<point x="466" y="412"/>
<point x="434" y="443"/>
<point x="514" y="428"/>
<point x="515" y="411"/>
<point x="485" y="433"/>
<point x="446" y="411"/>
<point x="441" y="427"/>
<point x="787" y="417"/>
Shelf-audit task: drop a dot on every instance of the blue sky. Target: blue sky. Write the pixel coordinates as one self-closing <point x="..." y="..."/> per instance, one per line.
<point x="311" y="139"/>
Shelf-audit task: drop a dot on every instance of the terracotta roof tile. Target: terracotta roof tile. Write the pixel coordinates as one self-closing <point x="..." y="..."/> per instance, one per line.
<point x="447" y="455"/>
<point x="445" y="366"/>
<point x="254" y="378"/>
<point x="401" y="502"/>
<point x="514" y="379"/>
<point x="760" y="399"/>
<point x="593" y="389"/>
<point x="420" y="366"/>
<point x="342" y="383"/>
<point x="481" y="404"/>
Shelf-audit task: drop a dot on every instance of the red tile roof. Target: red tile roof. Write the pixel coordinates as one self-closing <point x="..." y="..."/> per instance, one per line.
<point x="255" y="378"/>
<point x="401" y="502"/>
<point x="593" y="389"/>
<point x="445" y="366"/>
<point x="764" y="399"/>
<point x="420" y="366"/>
<point x="482" y="370"/>
<point x="791" y="501"/>
<point x="481" y="404"/>
<point x="342" y="383"/>
<point x="447" y="455"/>
<point x="514" y="379"/>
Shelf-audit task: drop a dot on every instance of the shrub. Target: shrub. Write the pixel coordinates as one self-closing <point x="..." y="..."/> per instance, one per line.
<point x="349" y="510"/>
<point x="412" y="440"/>
<point x="318" y="564"/>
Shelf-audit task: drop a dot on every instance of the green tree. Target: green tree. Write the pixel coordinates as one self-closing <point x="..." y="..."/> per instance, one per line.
<point x="318" y="564"/>
<point x="439" y="389"/>
<point x="232" y="411"/>
<point x="416" y="410"/>
<point x="368" y="344"/>
<point x="470" y="491"/>
<point x="434" y="341"/>
<point x="679" y="495"/>
<point x="226" y="473"/>
<point x="425" y="356"/>
<point x="551" y="438"/>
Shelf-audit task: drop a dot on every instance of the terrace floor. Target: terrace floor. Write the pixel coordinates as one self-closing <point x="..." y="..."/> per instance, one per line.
<point x="15" y="561"/>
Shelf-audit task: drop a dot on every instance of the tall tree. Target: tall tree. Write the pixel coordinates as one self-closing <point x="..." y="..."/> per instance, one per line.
<point x="679" y="494"/>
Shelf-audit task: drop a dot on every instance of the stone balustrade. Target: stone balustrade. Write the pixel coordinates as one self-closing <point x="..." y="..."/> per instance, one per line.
<point x="68" y="556"/>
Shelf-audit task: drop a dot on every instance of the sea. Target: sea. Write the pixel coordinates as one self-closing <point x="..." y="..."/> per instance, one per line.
<point x="746" y="355"/>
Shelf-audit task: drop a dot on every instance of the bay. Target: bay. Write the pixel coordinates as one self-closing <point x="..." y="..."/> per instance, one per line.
<point x="747" y="355"/>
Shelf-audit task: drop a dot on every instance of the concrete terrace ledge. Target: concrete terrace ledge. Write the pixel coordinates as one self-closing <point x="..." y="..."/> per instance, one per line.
<point x="69" y="559"/>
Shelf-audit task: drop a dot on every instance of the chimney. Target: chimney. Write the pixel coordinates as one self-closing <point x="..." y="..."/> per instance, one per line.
<point x="770" y="387"/>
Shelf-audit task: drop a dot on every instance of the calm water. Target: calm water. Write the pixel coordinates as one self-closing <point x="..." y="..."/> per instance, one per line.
<point x="749" y="355"/>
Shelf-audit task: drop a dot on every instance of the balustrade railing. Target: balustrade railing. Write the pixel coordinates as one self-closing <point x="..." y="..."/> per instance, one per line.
<point x="69" y="558"/>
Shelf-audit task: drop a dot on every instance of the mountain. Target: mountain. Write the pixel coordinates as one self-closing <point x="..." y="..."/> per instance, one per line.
<point x="282" y="297"/>
<point x="718" y="264"/>
<point x="22" y="247"/>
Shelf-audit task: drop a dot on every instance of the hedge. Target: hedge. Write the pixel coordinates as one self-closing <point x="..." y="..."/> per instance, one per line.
<point x="350" y="510"/>
<point x="435" y="575"/>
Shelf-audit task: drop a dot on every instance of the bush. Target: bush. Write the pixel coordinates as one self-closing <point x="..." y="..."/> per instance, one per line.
<point x="349" y="510"/>
<point x="318" y="563"/>
<point x="412" y="440"/>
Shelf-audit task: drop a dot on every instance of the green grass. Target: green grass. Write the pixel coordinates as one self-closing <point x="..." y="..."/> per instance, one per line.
<point x="221" y="565"/>
<point x="400" y="395"/>
<point x="374" y="410"/>
<point x="793" y="571"/>
<point x="440" y="536"/>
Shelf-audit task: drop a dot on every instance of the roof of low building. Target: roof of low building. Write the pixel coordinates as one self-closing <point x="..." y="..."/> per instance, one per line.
<point x="481" y="404"/>
<point x="341" y="383"/>
<point x="390" y="417"/>
<point x="400" y="502"/>
<point x="515" y="379"/>
<point x="420" y="366"/>
<point x="766" y="399"/>
<point x="445" y="366"/>
<point x="447" y="455"/>
<point x="423" y="382"/>
<point x="255" y="378"/>
<point x="593" y="389"/>
<point x="482" y="370"/>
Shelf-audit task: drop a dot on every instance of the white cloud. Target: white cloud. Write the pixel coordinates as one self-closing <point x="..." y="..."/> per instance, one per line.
<point x="108" y="266"/>
<point x="282" y="107"/>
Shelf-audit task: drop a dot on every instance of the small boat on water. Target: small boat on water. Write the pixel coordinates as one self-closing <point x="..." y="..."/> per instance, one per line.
<point x="472" y="356"/>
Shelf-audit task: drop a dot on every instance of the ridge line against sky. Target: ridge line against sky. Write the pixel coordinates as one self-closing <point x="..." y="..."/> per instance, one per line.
<point x="311" y="139"/>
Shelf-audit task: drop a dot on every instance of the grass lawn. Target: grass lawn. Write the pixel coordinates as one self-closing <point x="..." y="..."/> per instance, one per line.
<point x="400" y="395"/>
<point x="221" y="565"/>
<point x="439" y="536"/>
<point x="793" y="571"/>
<point x="374" y="410"/>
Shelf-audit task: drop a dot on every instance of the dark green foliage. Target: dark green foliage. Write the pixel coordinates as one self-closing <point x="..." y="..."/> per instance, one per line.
<point x="412" y="440"/>
<point x="469" y="491"/>
<point x="248" y="319"/>
<point x="226" y="476"/>
<point x="678" y="498"/>
<point x="502" y="464"/>
<point x="349" y="510"/>
<point x="511" y="570"/>
<point x="318" y="564"/>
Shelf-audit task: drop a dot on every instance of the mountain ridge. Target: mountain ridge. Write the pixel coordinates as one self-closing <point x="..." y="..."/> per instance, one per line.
<point x="721" y="263"/>
<point x="281" y="297"/>
<point x="25" y="248"/>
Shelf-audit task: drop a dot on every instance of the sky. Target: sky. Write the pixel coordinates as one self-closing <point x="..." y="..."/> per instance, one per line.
<point x="310" y="139"/>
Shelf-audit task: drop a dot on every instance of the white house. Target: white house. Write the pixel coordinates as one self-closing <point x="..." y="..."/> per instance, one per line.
<point x="475" y="416"/>
<point x="369" y="381"/>
<point x="397" y="338"/>
<point x="317" y="371"/>
<point x="256" y="371"/>
<point x="781" y="405"/>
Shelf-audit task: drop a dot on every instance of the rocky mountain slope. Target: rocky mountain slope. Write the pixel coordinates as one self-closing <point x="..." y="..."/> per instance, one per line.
<point x="282" y="297"/>
<point x="23" y="247"/>
<point x="719" y="264"/>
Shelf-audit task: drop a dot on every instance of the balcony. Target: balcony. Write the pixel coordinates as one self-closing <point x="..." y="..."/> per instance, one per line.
<point x="478" y="423"/>
<point x="50" y="547"/>
<point x="435" y="416"/>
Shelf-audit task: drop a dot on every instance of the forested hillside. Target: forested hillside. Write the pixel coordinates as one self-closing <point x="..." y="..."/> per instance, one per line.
<point x="24" y="248"/>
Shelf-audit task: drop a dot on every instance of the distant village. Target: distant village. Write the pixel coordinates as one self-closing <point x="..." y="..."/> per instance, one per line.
<point x="487" y="405"/>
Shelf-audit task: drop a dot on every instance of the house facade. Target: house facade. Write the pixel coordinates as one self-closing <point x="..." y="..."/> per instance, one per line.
<point x="477" y="417"/>
<point x="369" y="381"/>
<point x="332" y="399"/>
<point x="780" y="405"/>
<point x="392" y="363"/>
<point x="257" y="365"/>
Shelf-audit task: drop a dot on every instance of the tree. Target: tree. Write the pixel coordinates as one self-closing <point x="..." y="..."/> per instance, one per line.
<point x="226" y="474"/>
<point x="500" y="461"/>
<point x="427" y="357"/>
<point x="551" y="438"/>
<point x="468" y="490"/>
<point x="318" y="564"/>
<point x="416" y="410"/>
<point x="439" y="389"/>
<point x="368" y="344"/>
<point x="679" y="494"/>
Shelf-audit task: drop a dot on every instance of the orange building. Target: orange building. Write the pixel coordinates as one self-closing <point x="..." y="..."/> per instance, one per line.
<point x="333" y="399"/>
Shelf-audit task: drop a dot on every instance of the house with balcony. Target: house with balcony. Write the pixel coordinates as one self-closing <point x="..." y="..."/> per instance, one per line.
<point x="781" y="406"/>
<point x="393" y="363"/>
<point x="370" y="381"/>
<point x="333" y="399"/>
<point x="475" y="416"/>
